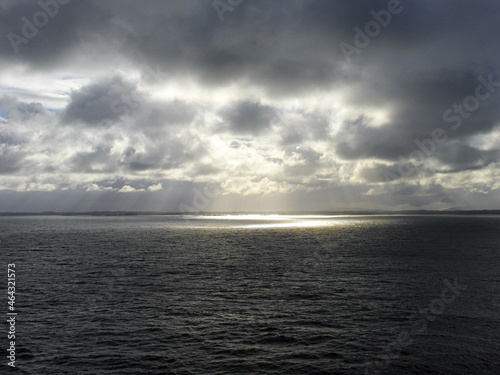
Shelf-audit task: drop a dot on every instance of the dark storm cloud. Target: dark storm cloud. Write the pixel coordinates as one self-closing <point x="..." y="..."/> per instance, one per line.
<point x="420" y="74"/>
<point x="458" y="157"/>
<point x="141" y="161"/>
<point x="273" y="41"/>
<point x="44" y="35"/>
<point x="11" y="159"/>
<point x="421" y="106"/>
<point x="247" y="118"/>
<point x="452" y="158"/>
<point x="107" y="100"/>
<point x="97" y="160"/>
<point x="280" y="44"/>
<point x="163" y="154"/>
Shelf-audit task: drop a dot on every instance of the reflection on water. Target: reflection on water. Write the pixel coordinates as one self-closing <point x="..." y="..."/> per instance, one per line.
<point x="253" y="294"/>
<point x="262" y="221"/>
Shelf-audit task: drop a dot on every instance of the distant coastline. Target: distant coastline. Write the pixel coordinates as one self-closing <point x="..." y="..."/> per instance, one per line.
<point x="332" y="213"/>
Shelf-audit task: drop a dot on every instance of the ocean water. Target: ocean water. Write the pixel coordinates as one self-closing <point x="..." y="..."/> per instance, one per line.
<point x="254" y="294"/>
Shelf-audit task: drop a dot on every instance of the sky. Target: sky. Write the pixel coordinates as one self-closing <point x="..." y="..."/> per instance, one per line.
<point x="249" y="105"/>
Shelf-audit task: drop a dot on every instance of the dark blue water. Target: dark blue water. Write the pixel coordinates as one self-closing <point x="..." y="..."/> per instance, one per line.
<point x="254" y="295"/>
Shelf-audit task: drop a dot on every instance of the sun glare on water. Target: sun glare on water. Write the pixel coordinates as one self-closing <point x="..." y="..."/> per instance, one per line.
<point x="277" y="221"/>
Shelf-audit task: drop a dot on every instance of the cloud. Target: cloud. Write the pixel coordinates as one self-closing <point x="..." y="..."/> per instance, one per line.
<point x="155" y="187"/>
<point x="107" y="100"/>
<point x="22" y="112"/>
<point x="94" y="161"/>
<point x="301" y="161"/>
<point x="169" y="113"/>
<point x="145" y="98"/>
<point x="11" y="159"/>
<point x="129" y="189"/>
<point x="247" y="118"/>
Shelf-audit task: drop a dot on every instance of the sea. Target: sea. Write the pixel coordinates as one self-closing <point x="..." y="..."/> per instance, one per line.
<point x="252" y="294"/>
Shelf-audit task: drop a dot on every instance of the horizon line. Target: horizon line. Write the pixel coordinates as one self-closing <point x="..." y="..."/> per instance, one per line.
<point x="323" y="212"/>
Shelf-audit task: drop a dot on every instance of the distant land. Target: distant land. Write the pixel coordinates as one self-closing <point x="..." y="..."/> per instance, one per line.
<point x="361" y="212"/>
